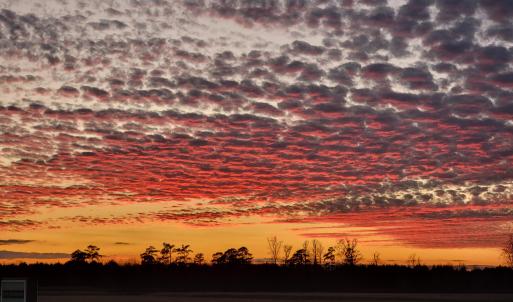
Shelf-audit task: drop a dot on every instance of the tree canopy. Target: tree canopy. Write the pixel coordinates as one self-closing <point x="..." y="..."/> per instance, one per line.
<point x="233" y="256"/>
<point x="90" y="254"/>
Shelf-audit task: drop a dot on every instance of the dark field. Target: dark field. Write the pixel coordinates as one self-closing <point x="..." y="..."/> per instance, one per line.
<point x="275" y="297"/>
<point x="133" y="279"/>
<point x="245" y="283"/>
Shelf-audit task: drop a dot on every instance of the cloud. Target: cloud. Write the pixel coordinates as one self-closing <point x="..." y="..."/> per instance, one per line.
<point x="18" y="224"/>
<point x="448" y="9"/>
<point x="68" y="91"/>
<point x="285" y="108"/>
<point x="301" y="47"/>
<point x="31" y="255"/>
<point x="14" y="241"/>
<point x="498" y="10"/>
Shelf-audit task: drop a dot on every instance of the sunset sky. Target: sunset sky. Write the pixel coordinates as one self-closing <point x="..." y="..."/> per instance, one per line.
<point x="221" y="123"/>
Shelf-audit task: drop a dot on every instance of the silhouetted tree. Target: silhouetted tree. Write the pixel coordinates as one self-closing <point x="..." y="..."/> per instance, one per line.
<point x="244" y="256"/>
<point x="166" y="253"/>
<point x="274" y="248"/>
<point x="90" y="254"/>
<point x="317" y="251"/>
<point x="329" y="257"/>
<point x="182" y="254"/>
<point x="78" y="256"/>
<point x="287" y="249"/>
<point x="233" y="256"/>
<point x="413" y="260"/>
<point x="507" y="251"/>
<point x="143" y="278"/>
<point x="112" y="264"/>
<point x="376" y="260"/>
<point x="306" y="244"/>
<point x="199" y="259"/>
<point x="217" y="258"/>
<point x="93" y="253"/>
<point x="300" y="257"/>
<point x="149" y="256"/>
<point x="320" y="253"/>
<point x="348" y="249"/>
<point x="230" y="256"/>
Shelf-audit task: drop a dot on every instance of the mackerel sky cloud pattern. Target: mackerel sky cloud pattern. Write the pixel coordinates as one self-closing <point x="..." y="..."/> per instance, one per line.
<point x="390" y="115"/>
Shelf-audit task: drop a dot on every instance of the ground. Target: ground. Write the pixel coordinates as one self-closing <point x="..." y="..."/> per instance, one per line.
<point x="262" y="297"/>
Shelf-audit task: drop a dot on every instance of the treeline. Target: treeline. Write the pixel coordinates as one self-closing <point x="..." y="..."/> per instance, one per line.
<point x="169" y="255"/>
<point x="311" y="252"/>
<point x="311" y="267"/>
<point x="345" y="252"/>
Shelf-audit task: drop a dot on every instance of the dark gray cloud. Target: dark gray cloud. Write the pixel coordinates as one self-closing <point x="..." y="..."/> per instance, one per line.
<point x="32" y="255"/>
<point x="14" y="241"/>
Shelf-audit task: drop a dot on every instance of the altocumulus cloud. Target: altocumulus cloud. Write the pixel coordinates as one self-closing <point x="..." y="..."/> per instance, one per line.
<point x="339" y="111"/>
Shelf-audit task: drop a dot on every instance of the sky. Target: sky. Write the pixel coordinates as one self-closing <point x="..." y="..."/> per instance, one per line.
<point x="220" y="123"/>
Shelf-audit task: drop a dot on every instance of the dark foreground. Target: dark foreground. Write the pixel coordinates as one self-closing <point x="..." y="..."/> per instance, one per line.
<point x="282" y="281"/>
<point x="275" y="297"/>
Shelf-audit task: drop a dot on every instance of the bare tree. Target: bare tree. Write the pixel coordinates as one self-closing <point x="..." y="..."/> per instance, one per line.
<point x="376" y="259"/>
<point x="507" y="251"/>
<point x="287" y="249"/>
<point x="317" y="251"/>
<point x="348" y="249"/>
<point x="274" y="248"/>
<point x="314" y="251"/>
<point x="306" y="245"/>
<point x="413" y="260"/>
<point x="320" y="252"/>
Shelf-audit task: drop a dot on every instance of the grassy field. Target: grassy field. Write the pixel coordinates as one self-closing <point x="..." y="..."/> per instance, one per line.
<point x="275" y="297"/>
